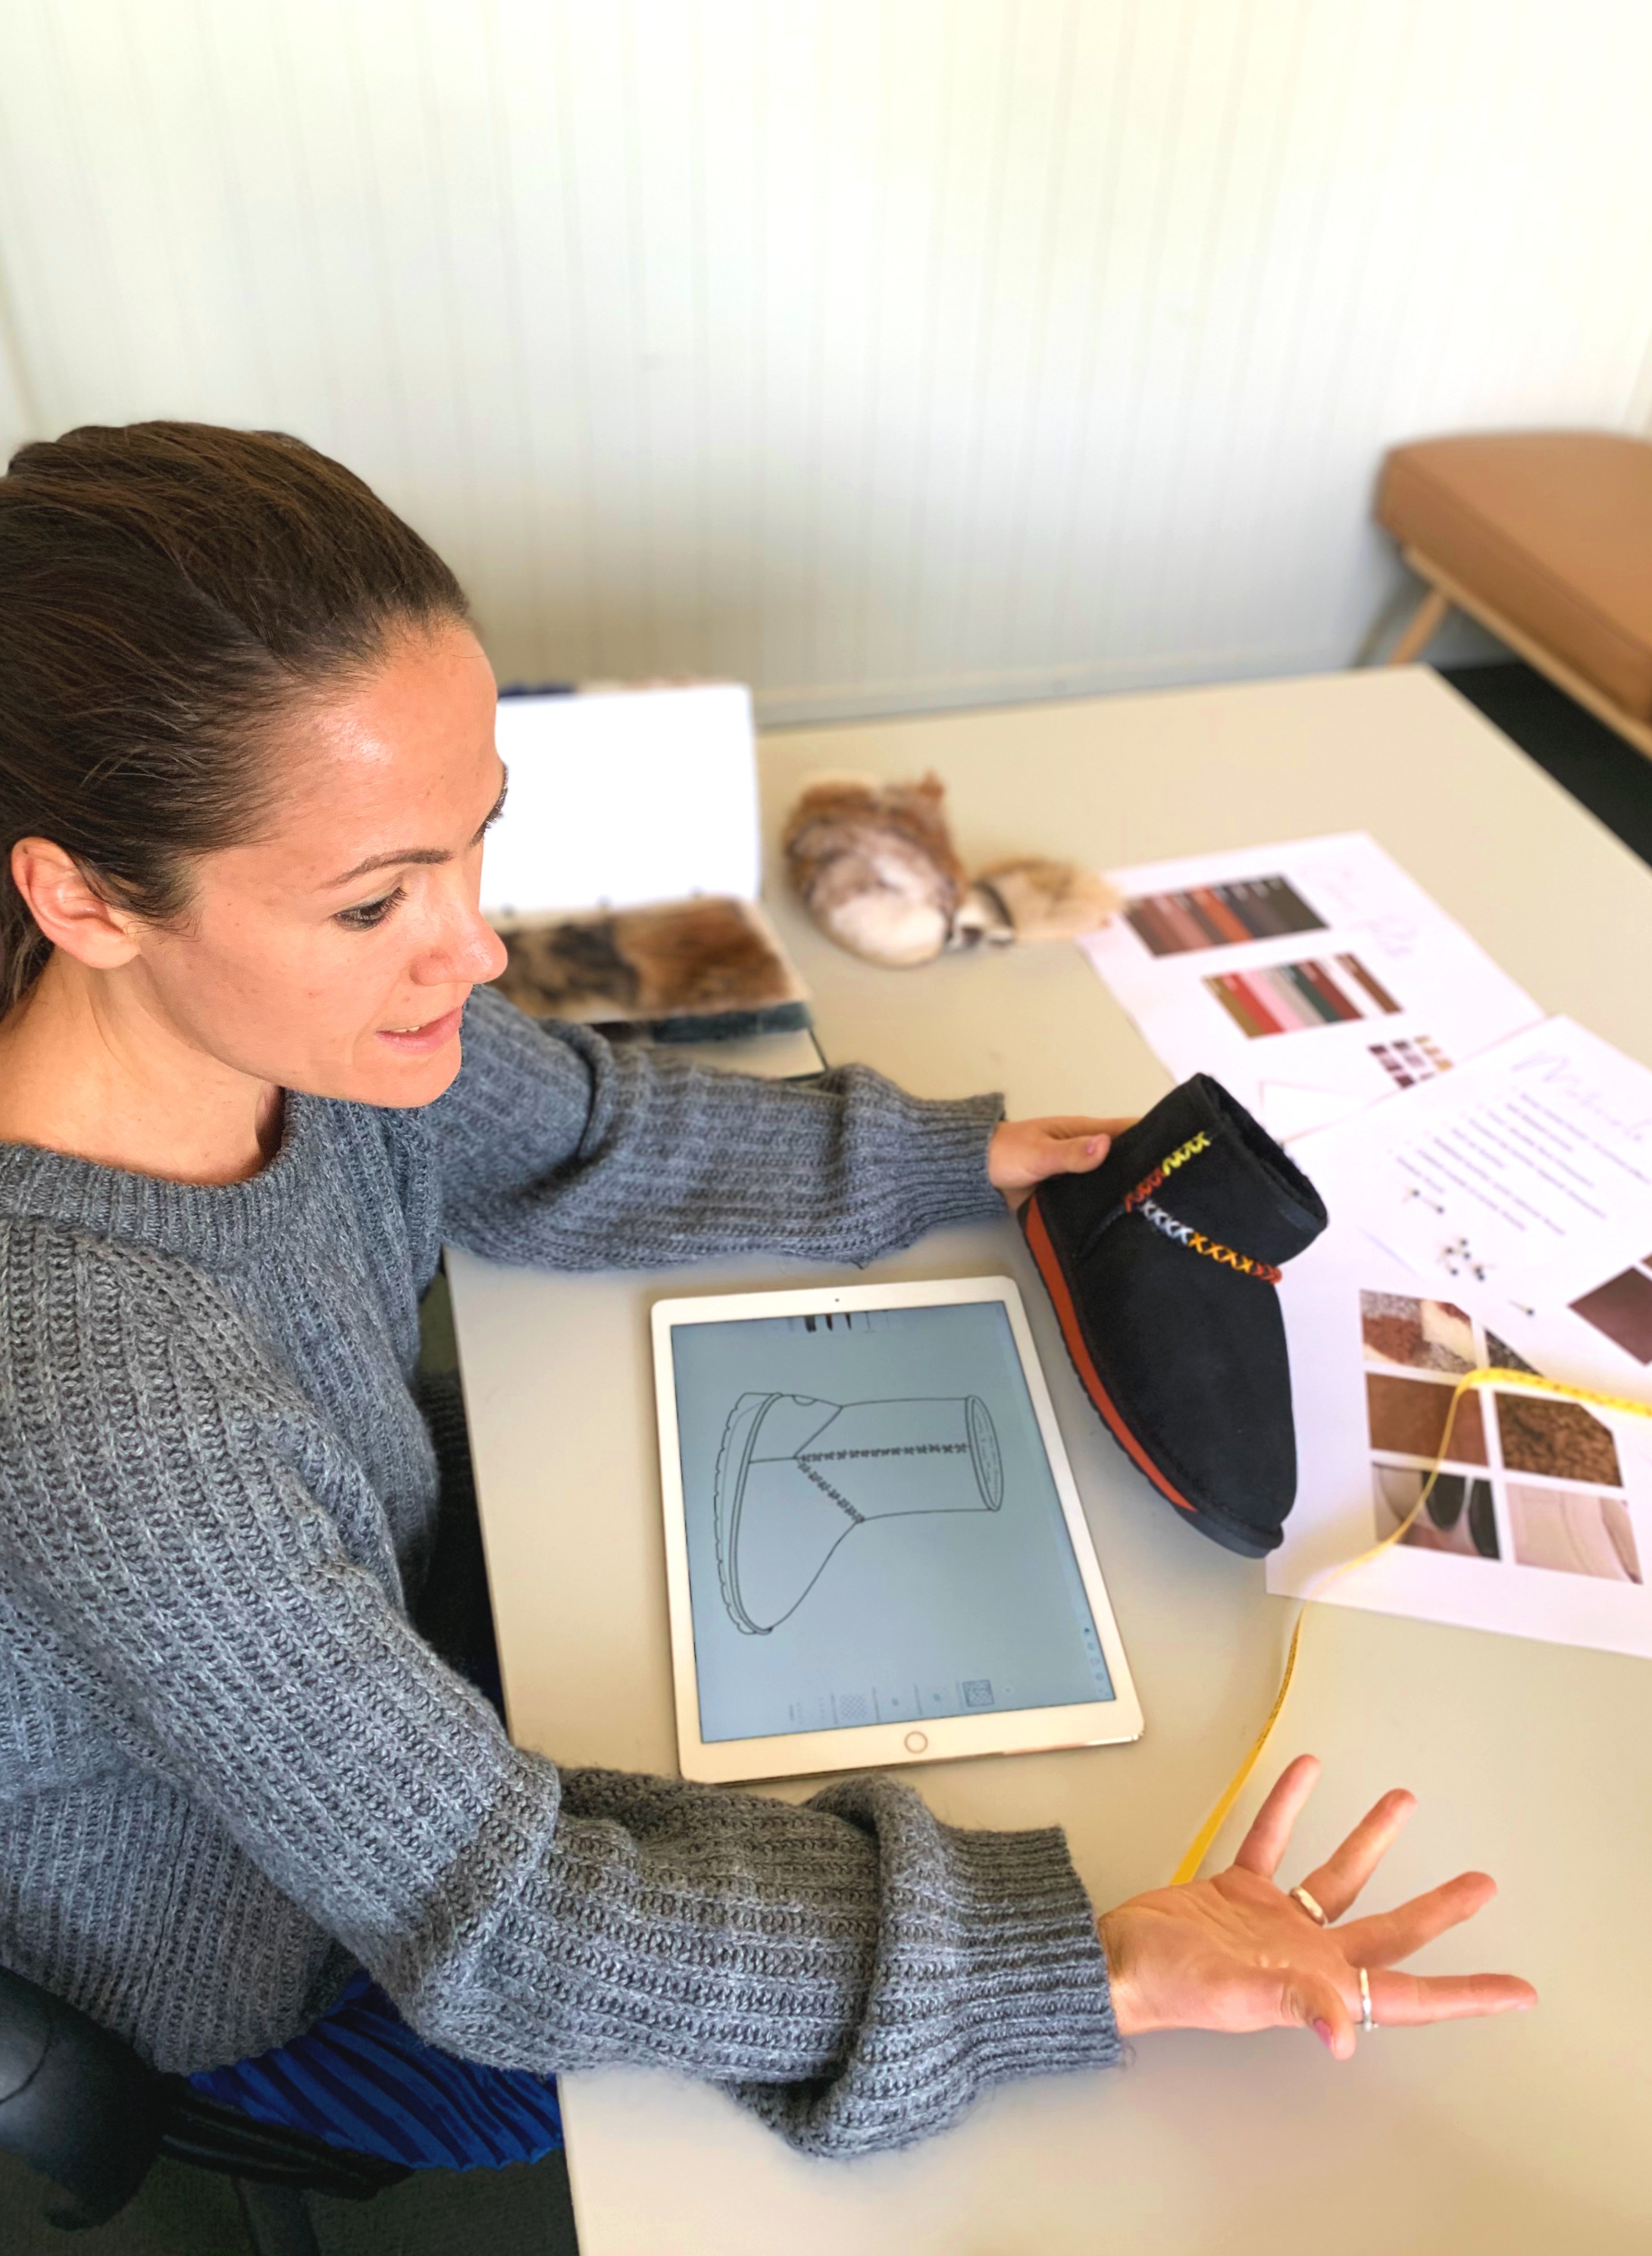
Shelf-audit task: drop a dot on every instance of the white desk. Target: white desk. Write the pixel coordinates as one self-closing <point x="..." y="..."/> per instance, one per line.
<point x="1533" y="1761"/>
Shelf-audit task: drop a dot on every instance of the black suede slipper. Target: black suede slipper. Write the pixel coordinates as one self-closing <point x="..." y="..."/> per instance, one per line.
<point x="1163" y="1267"/>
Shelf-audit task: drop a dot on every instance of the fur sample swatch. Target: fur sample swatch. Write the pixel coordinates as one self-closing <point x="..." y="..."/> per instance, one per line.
<point x="875" y="866"/>
<point x="675" y="959"/>
<point x="1032" y="900"/>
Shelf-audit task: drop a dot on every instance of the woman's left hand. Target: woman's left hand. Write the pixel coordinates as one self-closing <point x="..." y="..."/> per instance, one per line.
<point x="1236" y="1953"/>
<point x="1024" y="1153"/>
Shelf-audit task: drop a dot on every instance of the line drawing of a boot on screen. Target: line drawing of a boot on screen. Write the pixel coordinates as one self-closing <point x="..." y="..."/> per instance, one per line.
<point x="796" y="1477"/>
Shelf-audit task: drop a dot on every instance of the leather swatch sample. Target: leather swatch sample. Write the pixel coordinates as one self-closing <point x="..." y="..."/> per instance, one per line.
<point x="1408" y="1416"/>
<point x="1622" y="1309"/>
<point x="1417" y="1335"/>
<point x="1459" y="1515"/>
<point x="1572" y="1534"/>
<point x="1561" y="1439"/>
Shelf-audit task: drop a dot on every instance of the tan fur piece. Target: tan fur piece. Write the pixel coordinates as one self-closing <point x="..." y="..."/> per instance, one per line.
<point x="673" y="959"/>
<point x="874" y="865"/>
<point x="1032" y="900"/>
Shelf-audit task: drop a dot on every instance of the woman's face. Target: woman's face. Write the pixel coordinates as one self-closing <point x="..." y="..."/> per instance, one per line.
<point x="335" y="954"/>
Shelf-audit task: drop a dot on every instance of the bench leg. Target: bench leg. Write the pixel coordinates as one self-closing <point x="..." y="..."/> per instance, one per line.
<point x="1420" y="629"/>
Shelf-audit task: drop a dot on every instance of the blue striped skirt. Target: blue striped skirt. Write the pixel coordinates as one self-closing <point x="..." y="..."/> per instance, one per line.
<point x="360" y="2079"/>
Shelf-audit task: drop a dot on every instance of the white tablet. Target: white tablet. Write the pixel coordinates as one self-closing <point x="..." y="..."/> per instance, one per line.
<point x="875" y="1552"/>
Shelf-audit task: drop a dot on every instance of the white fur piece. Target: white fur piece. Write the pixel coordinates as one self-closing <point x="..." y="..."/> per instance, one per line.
<point x="875" y="867"/>
<point x="889" y="914"/>
<point x="1030" y="901"/>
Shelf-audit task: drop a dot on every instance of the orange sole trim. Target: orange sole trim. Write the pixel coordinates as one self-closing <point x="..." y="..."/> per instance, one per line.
<point x="1050" y="1269"/>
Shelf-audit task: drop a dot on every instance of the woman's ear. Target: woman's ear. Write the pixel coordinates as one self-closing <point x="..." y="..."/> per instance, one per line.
<point x="70" y="911"/>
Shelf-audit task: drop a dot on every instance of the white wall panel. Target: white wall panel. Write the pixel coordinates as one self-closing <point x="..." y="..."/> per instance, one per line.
<point x="883" y="352"/>
<point x="17" y="415"/>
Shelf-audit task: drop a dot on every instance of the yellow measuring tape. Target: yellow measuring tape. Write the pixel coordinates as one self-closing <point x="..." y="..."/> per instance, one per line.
<point x="1526" y="1382"/>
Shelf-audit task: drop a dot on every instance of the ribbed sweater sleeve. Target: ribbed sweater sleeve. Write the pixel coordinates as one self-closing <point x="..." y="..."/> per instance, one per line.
<point x="557" y="1148"/>
<point x="856" y="1971"/>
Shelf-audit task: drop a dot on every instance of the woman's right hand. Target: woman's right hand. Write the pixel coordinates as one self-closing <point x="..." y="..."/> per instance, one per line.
<point x="1237" y="1953"/>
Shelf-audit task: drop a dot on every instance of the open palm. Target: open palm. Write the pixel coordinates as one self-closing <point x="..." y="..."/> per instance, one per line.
<point x="1236" y="1953"/>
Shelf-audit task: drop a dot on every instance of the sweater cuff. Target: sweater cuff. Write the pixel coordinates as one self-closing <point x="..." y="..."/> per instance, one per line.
<point x="990" y="1969"/>
<point x="938" y="1173"/>
<point x="1035" y="1995"/>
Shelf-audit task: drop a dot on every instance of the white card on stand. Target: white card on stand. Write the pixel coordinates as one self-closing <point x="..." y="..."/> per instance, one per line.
<point x="623" y="797"/>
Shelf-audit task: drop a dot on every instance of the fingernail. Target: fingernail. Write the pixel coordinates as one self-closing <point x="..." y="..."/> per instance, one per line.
<point x="1323" y="2031"/>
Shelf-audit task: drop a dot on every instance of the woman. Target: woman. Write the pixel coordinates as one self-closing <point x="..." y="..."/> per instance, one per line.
<point x="251" y="1079"/>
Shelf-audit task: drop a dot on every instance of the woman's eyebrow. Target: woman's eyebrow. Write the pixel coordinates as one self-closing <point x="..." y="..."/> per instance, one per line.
<point x="429" y="856"/>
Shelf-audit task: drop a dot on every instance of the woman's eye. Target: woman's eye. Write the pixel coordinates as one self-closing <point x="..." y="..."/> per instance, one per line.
<point x="370" y="912"/>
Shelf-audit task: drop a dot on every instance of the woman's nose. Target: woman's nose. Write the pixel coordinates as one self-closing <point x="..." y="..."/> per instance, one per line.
<point x="469" y="948"/>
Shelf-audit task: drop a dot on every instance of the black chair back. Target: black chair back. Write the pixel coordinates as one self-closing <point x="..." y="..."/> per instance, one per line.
<point x="76" y="2105"/>
<point x="79" y="2106"/>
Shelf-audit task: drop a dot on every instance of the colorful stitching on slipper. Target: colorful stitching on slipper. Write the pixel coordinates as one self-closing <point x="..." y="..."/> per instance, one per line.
<point x="1179" y="1158"/>
<point x="1185" y="1233"/>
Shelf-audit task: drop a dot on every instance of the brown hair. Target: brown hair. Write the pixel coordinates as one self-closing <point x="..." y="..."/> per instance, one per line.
<point x="168" y="593"/>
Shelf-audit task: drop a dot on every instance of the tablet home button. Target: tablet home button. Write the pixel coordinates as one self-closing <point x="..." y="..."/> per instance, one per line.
<point x="917" y="1743"/>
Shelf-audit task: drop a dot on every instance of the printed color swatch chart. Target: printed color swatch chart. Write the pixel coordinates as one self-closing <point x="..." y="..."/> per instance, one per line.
<point x="1220" y="916"/>
<point x="1312" y="979"/>
<point x="1288" y="999"/>
<point x="1406" y="1062"/>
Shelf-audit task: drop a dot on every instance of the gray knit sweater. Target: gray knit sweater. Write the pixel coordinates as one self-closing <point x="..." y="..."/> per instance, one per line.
<point x="231" y="1768"/>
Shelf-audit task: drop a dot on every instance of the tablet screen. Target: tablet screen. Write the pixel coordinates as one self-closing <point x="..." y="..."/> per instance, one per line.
<point x="874" y="1535"/>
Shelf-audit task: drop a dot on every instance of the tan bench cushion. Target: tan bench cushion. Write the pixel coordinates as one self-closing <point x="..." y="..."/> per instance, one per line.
<point x="1552" y="528"/>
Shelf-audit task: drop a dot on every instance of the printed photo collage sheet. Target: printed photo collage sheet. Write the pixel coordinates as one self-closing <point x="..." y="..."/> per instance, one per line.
<point x="1489" y="1174"/>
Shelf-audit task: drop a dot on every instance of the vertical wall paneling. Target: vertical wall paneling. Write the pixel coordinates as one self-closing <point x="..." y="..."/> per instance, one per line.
<point x="19" y="416"/>
<point x="886" y="353"/>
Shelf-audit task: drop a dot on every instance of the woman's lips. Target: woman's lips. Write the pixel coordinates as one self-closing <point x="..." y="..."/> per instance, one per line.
<point x="422" y="1041"/>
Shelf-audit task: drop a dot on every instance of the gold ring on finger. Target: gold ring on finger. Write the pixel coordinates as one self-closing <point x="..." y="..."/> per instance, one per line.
<point x="1316" y="1912"/>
